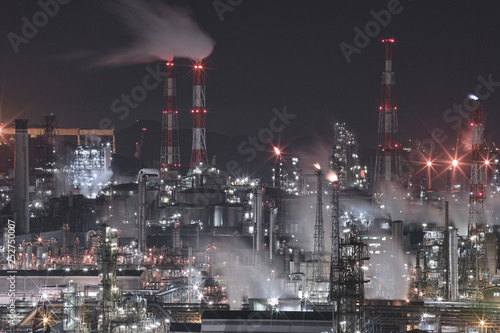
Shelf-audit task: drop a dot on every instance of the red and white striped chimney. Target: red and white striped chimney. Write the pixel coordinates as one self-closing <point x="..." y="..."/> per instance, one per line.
<point x="199" y="149"/>
<point x="170" y="151"/>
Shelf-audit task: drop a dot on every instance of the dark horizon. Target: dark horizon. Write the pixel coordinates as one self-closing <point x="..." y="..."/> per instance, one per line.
<point x="267" y="56"/>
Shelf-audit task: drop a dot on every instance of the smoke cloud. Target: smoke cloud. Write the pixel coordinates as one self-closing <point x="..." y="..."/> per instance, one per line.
<point x="160" y="32"/>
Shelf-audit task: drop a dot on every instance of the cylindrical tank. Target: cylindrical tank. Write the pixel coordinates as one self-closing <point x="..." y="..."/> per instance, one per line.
<point x="286" y="252"/>
<point x="232" y="216"/>
<point x="218" y="220"/>
<point x="29" y="256"/>
<point x="397" y="237"/>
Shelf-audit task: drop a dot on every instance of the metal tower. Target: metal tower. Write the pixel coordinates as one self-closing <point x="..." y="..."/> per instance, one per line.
<point x="334" y="260"/>
<point x="111" y="292"/>
<point x="476" y="230"/>
<point x="352" y="254"/>
<point x="170" y="160"/>
<point x="199" y="111"/>
<point x="387" y="164"/>
<point x="319" y="231"/>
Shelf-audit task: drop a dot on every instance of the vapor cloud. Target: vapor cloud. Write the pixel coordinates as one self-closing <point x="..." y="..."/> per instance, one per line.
<point x="160" y="32"/>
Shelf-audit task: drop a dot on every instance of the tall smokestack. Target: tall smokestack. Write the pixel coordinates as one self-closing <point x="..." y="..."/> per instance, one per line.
<point x="199" y="111"/>
<point x="170" y="152"/>
<point x="319" y="231"/>
<point x="21" y="178"/>
<point x="387" y="164"/>
<point x="476" y="230"/>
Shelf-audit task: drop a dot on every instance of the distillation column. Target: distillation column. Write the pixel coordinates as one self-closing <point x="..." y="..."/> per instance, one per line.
<point x="319" y="231"/>
<point x="110" y="292"/>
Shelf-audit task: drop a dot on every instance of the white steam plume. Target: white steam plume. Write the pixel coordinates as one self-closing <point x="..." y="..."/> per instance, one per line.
<point x="160" y="32"/>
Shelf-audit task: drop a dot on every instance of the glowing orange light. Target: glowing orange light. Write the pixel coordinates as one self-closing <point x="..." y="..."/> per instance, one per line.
<point x="429" y="163"/>
<point x="333" y="177"/>
<point x="317" y="166"/>
<point x="455" y="163"/>
<point x="277" y="151"/>
<point x="486" y="162"/>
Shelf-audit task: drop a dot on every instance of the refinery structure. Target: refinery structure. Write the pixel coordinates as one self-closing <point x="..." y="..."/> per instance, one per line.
<point x="334" y="249"/>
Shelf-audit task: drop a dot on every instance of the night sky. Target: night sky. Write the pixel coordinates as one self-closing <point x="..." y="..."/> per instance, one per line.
<point x="268" y="54"/>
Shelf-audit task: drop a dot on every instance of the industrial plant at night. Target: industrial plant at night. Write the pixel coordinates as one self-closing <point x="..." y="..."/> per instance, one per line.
<point x="201" y="216"/>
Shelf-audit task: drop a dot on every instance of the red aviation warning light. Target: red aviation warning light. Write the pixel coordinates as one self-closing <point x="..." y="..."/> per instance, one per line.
<point x="387" y="163"/>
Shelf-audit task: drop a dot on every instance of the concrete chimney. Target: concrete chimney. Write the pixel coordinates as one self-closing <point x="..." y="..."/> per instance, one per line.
<point x="21" y="178"/>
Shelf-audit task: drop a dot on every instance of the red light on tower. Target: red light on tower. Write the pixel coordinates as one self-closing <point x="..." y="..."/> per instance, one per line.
<point x="169" y="151"/>
<point x="387" y="164"/>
